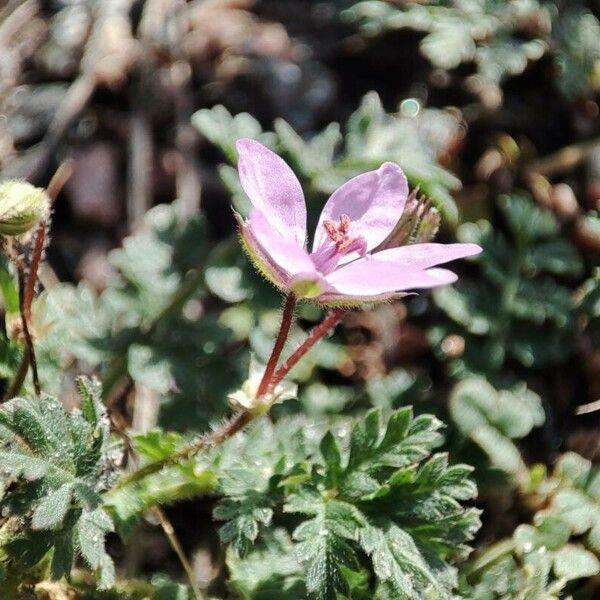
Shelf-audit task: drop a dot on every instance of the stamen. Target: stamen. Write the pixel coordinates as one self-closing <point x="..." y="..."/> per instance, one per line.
<point x="344" y="224"/>
<point x="338" y="233"/>
<point x="335" y="235"/>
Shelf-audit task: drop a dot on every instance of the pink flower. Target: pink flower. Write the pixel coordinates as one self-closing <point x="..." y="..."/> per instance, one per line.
<point x="356" y="219"/>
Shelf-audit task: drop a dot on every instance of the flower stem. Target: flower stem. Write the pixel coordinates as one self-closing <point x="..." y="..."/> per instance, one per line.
<point x="28" y="284"/>
<point x="202" y="442"/>
<point x="287" y="318"/>
<point x="36" y="259"/>
<point x="330" y="321"/>
<point x="25" y="319"/>
<point x="241" y="419"/>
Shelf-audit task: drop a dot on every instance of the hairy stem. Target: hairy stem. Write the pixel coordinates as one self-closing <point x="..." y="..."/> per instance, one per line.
<point x="241" y="419"/>
<point x="203" y="442"/>
<point x="32" y="278"/>
<point x="27" y="285"/>
<point x="25" y="315"/>
<point x="330" y="321"/>
<point x="287" y="318"/>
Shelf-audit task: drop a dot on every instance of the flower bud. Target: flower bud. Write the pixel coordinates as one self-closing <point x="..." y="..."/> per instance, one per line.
<point x="22" y="206"/>
<point x="419" y="223"/>
<point x="428" y="226"/>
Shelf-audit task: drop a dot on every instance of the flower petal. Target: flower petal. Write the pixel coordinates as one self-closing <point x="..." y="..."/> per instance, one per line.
<point x="273" y="188"/>
<point x="260" y="259"/>
<point x="374" y="201"/>
<point x="423" y="256"/>
<point x="277" y="253"/>
<point x="369" y="277"/>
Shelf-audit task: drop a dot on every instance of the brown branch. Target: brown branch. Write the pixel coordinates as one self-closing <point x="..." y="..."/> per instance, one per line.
<point x="13" y="18"/>
<point x="76" y="99"/>
<point x="140" y="151"/>
<point x="30" y="349"/>
<point x="169" y="531"/>
<point x="564" y="159"/>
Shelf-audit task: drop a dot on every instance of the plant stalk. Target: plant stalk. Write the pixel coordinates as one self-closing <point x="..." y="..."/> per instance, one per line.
<point x="287" y="317"/>
<point x="175" y="544"/>
<point x="241" y="419"/>
<point x="203" y="442"/>
<point x="330" y="321"/>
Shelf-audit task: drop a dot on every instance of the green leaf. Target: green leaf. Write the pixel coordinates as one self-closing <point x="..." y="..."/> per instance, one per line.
<point x="244" y="517"/>
<point x="332" y="457"/>
<point x="270" y="571"/>
<point x="91" y="529"/>
<point x="557" y="256"/>
<point x="373" y="137"/>
<point x="492" y="418"/>
<point x="313" y="157"/>
<point x="403" y="441"/>
<point x="57" y="463"/>
<point x="397" y="501"/>
<point x="577" y="32"/>
<point x="551" y="533"/>
<point x="51" y="511"/>
<point x="64" y="554"/>
<point x="491" y="35"/>
<point x="527" y="221"/>
<point x="169" y="590"/>
<point x="572" y="562"/>
<point x="222" y="129"/>
<point x="400" y="567"/>
<point x="468" y="306"/>
<point x="324" y="548"/>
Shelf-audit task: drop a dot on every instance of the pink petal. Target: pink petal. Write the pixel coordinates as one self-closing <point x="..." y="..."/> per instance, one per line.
<point x="374" y="201"/>
<point x="261" y="260"/>
<point x="282" y="254"/>
<point x="273" y="188"/>
<point x="370" y="277"/>
<point x="422" y="256"/>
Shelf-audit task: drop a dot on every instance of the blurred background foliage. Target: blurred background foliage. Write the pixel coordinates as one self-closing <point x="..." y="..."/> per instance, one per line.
<point x="492" y="109"/>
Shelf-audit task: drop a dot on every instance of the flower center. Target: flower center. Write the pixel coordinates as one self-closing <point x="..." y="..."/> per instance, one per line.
<point x="340" y="243"/>
<point x="338" y="234"/>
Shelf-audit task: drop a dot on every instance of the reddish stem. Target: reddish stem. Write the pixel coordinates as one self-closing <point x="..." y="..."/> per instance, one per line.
<point x="27" y="286"/>
<point x="330" y="321"/>
<point x="36" y="259"/>
<point x="287" y="318"/>
<point x="30" y="352"/>
<point x="270" y="379"/>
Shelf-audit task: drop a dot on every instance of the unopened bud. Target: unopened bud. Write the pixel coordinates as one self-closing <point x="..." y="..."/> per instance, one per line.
<point x="428" y="227"/>
<point x="419" y="223"/>
<point x="22" y="206"/>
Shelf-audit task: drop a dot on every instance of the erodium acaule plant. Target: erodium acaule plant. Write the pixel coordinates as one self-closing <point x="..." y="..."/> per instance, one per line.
<point x="344" y="267"/>
<point x="64" y="465"/>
